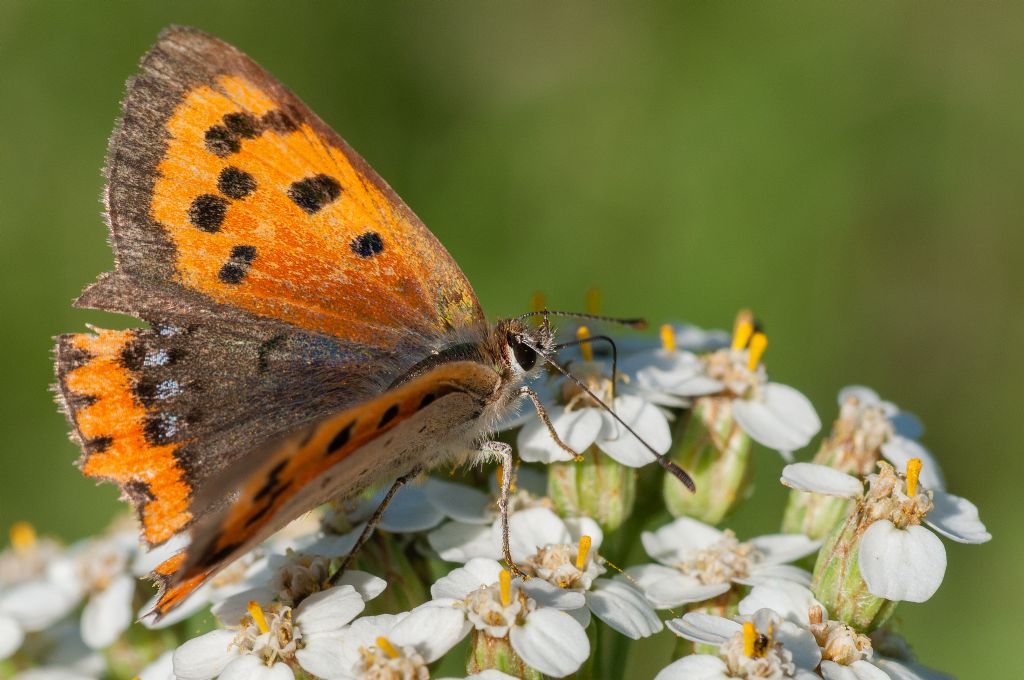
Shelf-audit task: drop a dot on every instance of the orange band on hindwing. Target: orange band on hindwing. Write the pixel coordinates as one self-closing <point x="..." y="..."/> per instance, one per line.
<point x="115" y="431"/>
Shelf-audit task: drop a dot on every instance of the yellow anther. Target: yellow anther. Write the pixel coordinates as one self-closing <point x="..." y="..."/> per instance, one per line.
<point x="256" y="612"/>
<point x="913" y="473"/>
<point x="668" y="338"/>
<point x="758" y="344"/>
<point x="582" y="552"/>
<point x="384" y="645"/>
<point x="749" y="639"/>
<point x="741" y="334"/>
<point x="583" y="333"/>
<point x="505" y="583"/>
<point x="538" y="302"/>
<point x="23" y="536"/>
<point x="593" y="302"/>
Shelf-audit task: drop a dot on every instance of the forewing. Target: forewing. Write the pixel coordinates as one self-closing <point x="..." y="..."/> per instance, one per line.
<point x="225" y="189"/>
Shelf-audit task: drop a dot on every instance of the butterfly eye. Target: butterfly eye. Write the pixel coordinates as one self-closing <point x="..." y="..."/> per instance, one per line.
<point x="525" y="355"/>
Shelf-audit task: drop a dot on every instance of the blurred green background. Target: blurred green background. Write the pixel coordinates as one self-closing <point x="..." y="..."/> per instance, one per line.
<point x="850" y="171"/>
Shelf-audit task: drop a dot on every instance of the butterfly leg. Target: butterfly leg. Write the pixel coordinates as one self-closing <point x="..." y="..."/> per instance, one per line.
<point x="543" y="414"/>
<point x="503" y="452"/>
<point x="371" y="524"/>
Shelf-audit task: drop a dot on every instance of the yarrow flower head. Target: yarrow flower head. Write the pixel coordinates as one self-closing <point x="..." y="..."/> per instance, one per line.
<point x="881" y="550"/>
<point x="699" y="562"/>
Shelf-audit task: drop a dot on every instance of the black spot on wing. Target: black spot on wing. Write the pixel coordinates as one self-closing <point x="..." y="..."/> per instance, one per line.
<point x="313" y="193"/>
<point x="341" y="438"/>
<point x="133" y="355"/>
<point x="220" y="141"/>
<point x="207" y="212"/>
<point x="219" y="556"/>
<point x="272" y="481"/>
<point x="242" y="124"/>
<point x="427" y="400"/>
<point x="388" y="416"/>
<point x="161" y="428"/>
<point x="367" y="245"/>
<point x="235" y="183"/>
<point x="98" y="444"/>
<point x="236" y="268"/>
<point x="279" y="121"/>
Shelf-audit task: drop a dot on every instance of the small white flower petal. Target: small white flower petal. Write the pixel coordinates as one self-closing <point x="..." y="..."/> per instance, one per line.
<point x="460" y="582"/>
<point x="584" y="526"/>
<point x="675" y="541"/>
<point x="324" y="656"/>
<point x="645" y="575"/>
<point x="865" y="395"/>
<point x="11" y="636"/>
<point x="329" y="609"/>
<point x="459" y="542"/>
<point x="858" y="670"/>
<point x="531" y="529"/>
<point x="775" y="572"/>
<point x="956" y="518"/>
<point x="680" y="589"/>
<point x="901" y="564"/>
<point x="367" y="585"/>
<point x="204" y="657"/>
<point x="551" y="641"/>
<point x="577" y="429"/>
<point x="906" y="424"/>
<point x="704" y="628"/>
<point x="780" y="548"/>
<point x="646" y="419"/>
<point x="235" y="607"/>
<point x="108" y="613"/>
<point x="409" y="511"/>
<point x="549" y="595"/>
<point x="433" y="631"/>
<point x="800" y="643"/>
<point x="782" y="418"/>
<point x="623" y="608"/>
<point x="695" y="667"/>
<point x="814" y="478"/>
<point x="905" y="670"/>
<point x="791" y="601"/>
<point x="899" y="451"/>
<point x="36" y="605"/>
<point x="458" y="501"/>
<point x="249" y="667"/>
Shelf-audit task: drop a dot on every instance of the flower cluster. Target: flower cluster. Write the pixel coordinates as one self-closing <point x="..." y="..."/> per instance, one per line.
<point x="430" y="596"/>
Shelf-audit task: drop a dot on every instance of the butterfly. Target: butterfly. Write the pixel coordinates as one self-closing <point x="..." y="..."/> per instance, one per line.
<point x="308" y="337"/>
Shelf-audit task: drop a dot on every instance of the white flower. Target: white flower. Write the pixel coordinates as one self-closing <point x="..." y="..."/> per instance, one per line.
<point x="699" y="562"/>
<point x="772" y="414"/>
<point x="64" y="656"/>
<point x="762" y="646"/>
<point x="529" y="614"/>
<point x="270" y="639"/>
<point x="898" y="558"/>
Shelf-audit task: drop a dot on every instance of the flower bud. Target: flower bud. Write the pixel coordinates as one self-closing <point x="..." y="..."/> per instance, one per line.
<point x="488" y="653"/>
<point x="597" y="487"/>
<point x="715" y="451"/>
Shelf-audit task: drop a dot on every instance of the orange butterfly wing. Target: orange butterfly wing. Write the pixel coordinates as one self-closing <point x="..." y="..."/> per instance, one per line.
<point x="223" y="183"/>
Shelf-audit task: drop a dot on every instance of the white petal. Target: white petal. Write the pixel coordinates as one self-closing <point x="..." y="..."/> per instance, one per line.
<point x="460" y="502"/>
<point x="463" y="580"/>
<point x="624" y="608"/>
<point x="324" y="655"/>
<point x="531" y="529"/>
<point x="675" y="541"/>
<point x="458" y="542"/>
<point x="409" y="511"/>
<point x="108" y="612"/>
<point x="865" y="395"/>
<point x="905" y="670"/>
<point x="821" y="479"/>
<point x="956" y="518"/>
<point x="901" y="564"/>
<point x="695" y="667"/>
<point x="367" y="585"/>
<point x="780" y="548"/>
<point x="800" y="643"/>
<point x="148" y="559"/>
<point x="577" y="429"/>
<point x="781" y="419"/>
<point x="11" y="636"/>
<point x="551" y="641"/>
<point x="646" y="420"/>
<point x="36" y="605"/>
<point x="162" y="668"/>
<point x="679" y="589"/>
<point x="645" y="575"/>
<point x="776" y="572"/>
<point x="333" y="545"/>
<point x="584" y="526"/>
<point x="789" y="600"/>
<point x="249" y="667"/>
<point x="229" y="610"/>
<point x="899" y="451"/>
<point x="549" y="595"/>
<point x="204" y="657"/>
<point x="859" y="670"/>
<point x="329" y="609"/>
<point x="704" y="628"/>
<point x="433" y="631"/>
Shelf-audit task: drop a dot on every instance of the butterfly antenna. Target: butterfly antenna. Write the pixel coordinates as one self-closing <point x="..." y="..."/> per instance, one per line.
<point x="663" y="461"/>
<point x="636" y="324"/>
<point x="595" y="338"/>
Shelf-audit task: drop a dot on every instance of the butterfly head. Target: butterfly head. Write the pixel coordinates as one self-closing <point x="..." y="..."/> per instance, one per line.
<point x="523" y="347"/>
